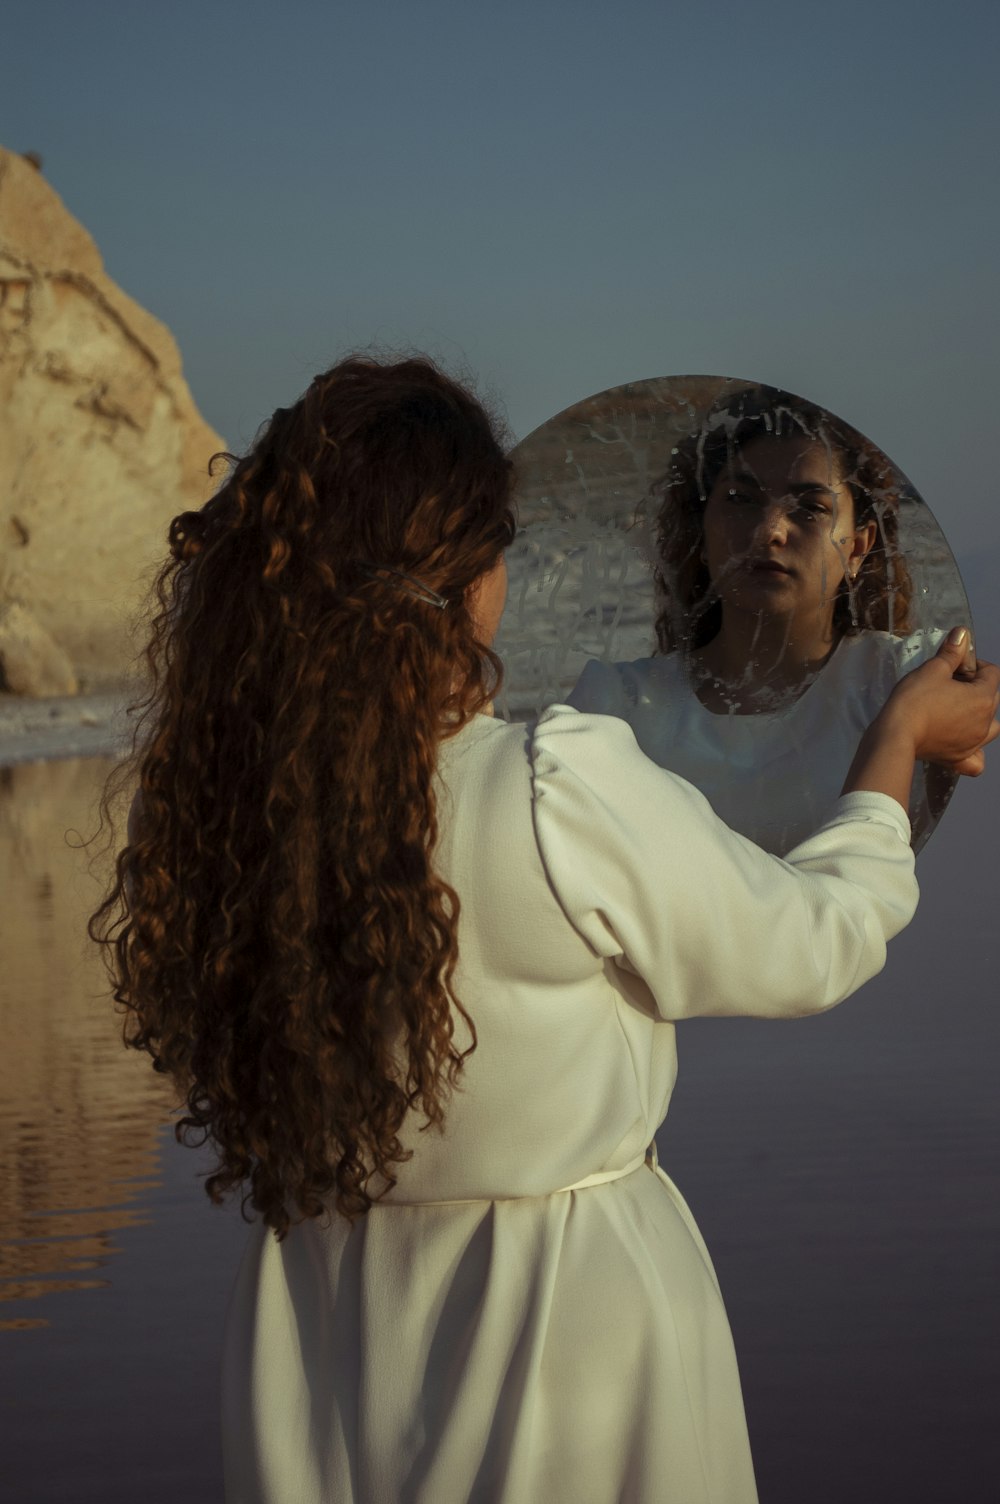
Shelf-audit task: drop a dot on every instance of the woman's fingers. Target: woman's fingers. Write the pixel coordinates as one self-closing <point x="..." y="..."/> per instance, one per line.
<point x="950" y="718"/>
<point x="970" y="767"/>
<point x="973" y="762"/>
<point x="956" y="648"/>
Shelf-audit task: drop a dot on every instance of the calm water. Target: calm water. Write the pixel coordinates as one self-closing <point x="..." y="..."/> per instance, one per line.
<point x="845" y="1171"/>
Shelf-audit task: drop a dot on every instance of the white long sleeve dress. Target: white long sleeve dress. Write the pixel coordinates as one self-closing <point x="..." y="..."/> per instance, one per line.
<point x="532" y="1316"/>
<point x="773" y="776"/>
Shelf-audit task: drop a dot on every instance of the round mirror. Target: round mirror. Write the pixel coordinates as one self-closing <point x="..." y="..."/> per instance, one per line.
<point x="736" y="572"/>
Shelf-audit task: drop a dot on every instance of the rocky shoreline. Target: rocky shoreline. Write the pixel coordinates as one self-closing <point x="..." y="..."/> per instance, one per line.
<point x="65" y="726"/>
<point x="37" y="730"/>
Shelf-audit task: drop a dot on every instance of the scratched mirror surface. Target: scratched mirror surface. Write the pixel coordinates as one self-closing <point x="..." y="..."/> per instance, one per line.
<point x="739" y="574"/>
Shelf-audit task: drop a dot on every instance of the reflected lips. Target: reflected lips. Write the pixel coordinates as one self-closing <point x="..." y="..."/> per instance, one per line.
<point x="767" y="566"/>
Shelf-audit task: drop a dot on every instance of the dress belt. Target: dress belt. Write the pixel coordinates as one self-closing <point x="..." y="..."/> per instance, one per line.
<point x="602" y="1177"/>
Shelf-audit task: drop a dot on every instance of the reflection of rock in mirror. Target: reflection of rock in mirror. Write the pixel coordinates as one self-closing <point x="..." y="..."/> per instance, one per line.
<point x="785" y="570"/>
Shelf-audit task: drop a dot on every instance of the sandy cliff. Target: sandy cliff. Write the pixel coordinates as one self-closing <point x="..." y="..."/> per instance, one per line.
<point x="100" y="445"/>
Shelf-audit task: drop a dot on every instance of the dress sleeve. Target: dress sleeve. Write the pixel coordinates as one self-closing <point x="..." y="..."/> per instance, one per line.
<point x="600" y="690"/>
<point x="656" y="883"/>
<point x="912" y="651"/>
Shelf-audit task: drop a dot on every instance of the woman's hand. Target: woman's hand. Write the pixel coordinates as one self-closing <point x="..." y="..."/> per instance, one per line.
<point x="933" y="716"/>
<point x="951" y="719"/>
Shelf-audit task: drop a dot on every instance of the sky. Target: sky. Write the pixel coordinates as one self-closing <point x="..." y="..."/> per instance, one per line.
<point x="557" y="197"/>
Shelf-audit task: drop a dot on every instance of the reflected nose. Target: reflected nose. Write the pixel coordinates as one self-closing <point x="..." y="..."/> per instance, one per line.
<point x="772" y="526"/>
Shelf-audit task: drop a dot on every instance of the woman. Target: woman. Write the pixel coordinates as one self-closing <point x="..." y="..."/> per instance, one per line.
<point x="415" y="971"/>
<point x="784" y="621"/>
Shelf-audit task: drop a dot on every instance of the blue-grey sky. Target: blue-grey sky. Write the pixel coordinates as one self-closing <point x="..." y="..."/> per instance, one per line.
<point x="559" y="196"/>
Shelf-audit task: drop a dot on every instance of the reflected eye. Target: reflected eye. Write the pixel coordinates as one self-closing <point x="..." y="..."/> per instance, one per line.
<point x="812" y="511"/>
<point x="802" y="508"/>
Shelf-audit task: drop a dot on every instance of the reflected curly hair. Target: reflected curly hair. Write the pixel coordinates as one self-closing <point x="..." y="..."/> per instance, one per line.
<point x="691" y="614"/>
<point x="276" y="935"/>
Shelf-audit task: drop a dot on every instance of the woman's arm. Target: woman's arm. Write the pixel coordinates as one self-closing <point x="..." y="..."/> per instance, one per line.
<point x="929" y="715"/>
<point x="656" y="883"/>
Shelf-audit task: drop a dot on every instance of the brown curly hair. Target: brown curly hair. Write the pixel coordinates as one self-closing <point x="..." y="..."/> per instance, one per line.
<point x="691" y="613"/>
<point x="275" y="933"/>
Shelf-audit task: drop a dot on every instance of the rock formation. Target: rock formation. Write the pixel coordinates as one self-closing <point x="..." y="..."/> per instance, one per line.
<point x="100" y="445"/>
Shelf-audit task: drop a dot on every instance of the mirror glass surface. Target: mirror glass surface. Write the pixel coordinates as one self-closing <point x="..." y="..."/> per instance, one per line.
<point x="738" y="573"/>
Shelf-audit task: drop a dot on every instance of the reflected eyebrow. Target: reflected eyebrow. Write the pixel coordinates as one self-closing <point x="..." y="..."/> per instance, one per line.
<point x="802" y="488"/>
<point x="742" y="477"/>
<point x="797" y="488"/>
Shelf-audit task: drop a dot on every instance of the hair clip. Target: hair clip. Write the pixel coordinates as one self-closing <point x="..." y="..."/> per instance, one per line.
<point x="412" y="585"/>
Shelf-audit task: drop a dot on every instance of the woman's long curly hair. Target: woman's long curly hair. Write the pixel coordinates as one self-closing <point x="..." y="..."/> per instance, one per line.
<point x="690" y="613"/>
<point x="276" y="934"/>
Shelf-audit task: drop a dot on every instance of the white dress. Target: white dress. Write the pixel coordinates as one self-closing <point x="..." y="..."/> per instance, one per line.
<point x="772" y="776"/>
<point x="491" y="1333"/>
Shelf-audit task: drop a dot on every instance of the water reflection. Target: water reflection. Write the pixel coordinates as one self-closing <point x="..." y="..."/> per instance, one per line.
<point x="78" y="1113"/>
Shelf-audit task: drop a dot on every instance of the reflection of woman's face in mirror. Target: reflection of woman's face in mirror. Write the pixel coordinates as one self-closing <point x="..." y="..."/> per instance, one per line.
<point x="785" y="608"/>
<point x="779" y="536"/>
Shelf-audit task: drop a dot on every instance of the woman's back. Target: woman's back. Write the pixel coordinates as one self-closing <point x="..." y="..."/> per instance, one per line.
<point x="484" y="1332"/>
